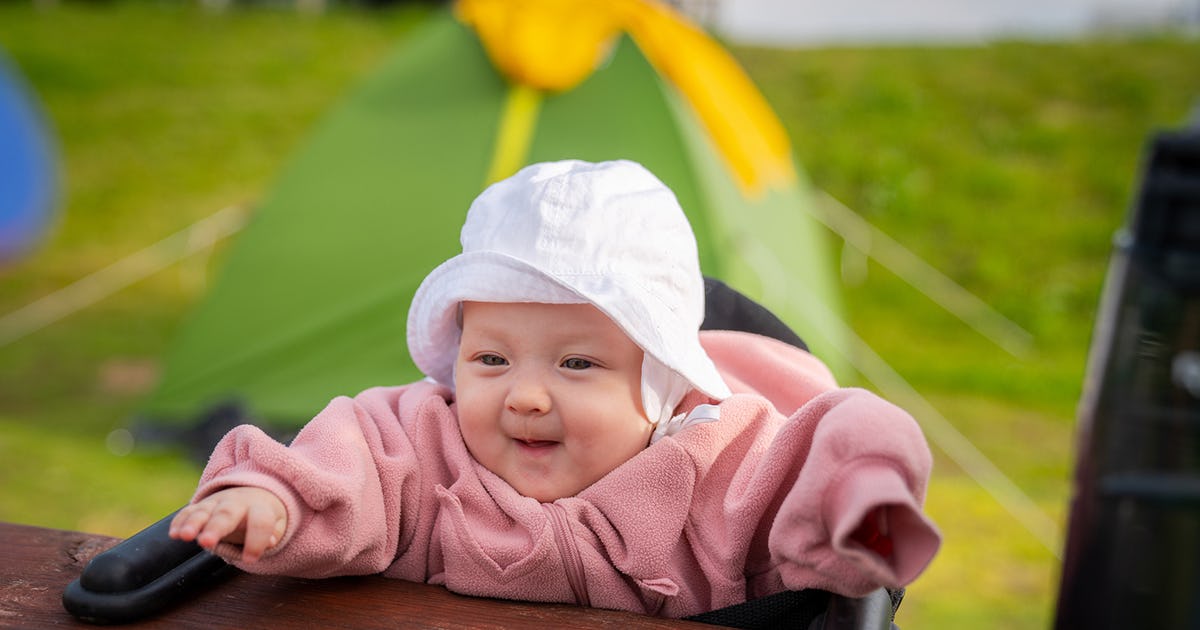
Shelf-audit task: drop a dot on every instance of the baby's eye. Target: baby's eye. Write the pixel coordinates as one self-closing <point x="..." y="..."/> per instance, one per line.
<point x="575" y="363"/>
<point x="492" y="359"/>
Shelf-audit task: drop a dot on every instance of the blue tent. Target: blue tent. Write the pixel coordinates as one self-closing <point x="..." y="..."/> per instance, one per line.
<point x="28" y="172"/>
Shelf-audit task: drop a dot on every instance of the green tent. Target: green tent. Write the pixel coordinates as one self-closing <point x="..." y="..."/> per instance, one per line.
<point x="312" y="298"/>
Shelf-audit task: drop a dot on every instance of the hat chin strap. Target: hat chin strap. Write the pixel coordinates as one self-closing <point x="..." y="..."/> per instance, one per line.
<point x="662" y="391"/>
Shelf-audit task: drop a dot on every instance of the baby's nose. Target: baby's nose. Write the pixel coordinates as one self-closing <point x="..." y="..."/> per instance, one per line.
<point x="528" y="396"/>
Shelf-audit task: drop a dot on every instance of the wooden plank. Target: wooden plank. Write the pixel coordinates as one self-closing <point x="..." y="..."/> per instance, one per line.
<point x="36" y="564"/>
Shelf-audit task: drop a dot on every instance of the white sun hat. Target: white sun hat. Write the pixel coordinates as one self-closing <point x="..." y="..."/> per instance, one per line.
<point x="608" y="234"/>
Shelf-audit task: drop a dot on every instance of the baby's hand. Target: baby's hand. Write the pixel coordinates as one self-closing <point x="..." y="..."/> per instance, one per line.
<point x="251" y="517"/>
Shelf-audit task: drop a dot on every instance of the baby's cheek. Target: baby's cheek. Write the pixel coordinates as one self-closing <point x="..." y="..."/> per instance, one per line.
<point x="473" y="426"/>
<point x="614" y="449"/>
<point x="473" y="434"/>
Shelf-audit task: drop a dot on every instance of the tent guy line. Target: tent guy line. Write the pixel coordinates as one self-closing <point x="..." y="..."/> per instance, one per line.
<point x="922" y="276"/>
<point x="101" y="284"/>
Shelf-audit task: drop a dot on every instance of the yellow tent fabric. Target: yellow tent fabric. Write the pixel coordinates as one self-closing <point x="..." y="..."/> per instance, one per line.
<point x="553" y="45"/>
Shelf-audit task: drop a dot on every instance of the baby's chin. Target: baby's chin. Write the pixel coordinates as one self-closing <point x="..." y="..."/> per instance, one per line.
<point x="546" y="495"/>
<point x="543" y="492"/>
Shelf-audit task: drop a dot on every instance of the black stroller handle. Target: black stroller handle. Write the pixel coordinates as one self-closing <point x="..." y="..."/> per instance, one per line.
<point x="141" y="576"/>
<point x="874" y="611"/>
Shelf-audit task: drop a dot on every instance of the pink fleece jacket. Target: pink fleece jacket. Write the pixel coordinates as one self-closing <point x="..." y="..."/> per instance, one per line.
<point x="762" y="500"/>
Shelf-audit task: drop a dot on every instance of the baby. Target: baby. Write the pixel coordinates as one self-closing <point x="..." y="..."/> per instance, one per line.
<point x="577" y="438"/>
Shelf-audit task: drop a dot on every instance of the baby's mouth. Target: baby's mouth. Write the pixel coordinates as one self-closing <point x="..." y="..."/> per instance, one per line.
<point x="536" y="444"/>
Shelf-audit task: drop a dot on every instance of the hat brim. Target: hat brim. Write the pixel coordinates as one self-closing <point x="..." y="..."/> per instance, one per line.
<point x="488" y="276"/>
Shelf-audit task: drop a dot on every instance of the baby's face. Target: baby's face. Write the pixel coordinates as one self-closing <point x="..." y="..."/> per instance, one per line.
<point x="548" y="395"/>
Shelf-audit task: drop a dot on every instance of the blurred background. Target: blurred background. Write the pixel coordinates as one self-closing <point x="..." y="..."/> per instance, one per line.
<point x="988" y="152"/>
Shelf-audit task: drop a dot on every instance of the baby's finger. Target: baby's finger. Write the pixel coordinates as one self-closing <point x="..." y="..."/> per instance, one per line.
<point x="189" y="521"/>
<point x="225" y="519"/>
<point x="261" y="532"/>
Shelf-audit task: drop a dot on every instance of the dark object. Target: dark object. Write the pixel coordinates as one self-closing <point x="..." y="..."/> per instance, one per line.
<point x="725" y="308"/>
<point x="150" y="572"/>
<point x="1133" y="544"/>
<point x="140" y="577"/>
<point x="875" y="611"/>
<point x="789" y="609"/>
<point x="810" y="609"/>
<point x="202" y="436"/>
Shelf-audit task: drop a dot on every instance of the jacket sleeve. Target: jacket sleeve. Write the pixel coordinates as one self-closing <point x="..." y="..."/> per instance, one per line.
<point x="847" y="471"/>
<point x="349" y="482"/>
<point x="852" y="519"/>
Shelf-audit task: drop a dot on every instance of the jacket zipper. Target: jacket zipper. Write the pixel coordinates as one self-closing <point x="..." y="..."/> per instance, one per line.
<point x="569" y="552"/>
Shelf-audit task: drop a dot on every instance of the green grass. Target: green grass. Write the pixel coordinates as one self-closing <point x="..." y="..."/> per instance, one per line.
<point x="1007" y="166"/>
